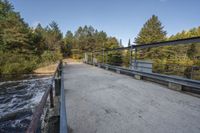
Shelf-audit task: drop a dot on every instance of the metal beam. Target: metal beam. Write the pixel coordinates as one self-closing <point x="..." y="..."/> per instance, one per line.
<point x="63" y="115"/>
<point x="157" y="44"/>
<point x="167" y="43"/>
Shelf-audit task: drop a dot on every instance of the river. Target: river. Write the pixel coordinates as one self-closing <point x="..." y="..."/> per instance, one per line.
<point x="18" y="100"/>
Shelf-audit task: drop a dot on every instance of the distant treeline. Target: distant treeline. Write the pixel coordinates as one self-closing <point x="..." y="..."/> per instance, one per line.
<point x="175" y="60"/>
<point x="23" y="48"/>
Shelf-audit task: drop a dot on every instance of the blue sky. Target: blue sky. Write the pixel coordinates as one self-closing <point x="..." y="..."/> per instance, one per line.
<point x="120" y="18"/>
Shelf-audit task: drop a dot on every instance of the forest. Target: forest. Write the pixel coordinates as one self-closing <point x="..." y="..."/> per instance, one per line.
<point x="24" y="48"/>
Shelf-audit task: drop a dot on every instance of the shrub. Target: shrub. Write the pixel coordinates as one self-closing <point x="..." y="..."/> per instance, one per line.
<point x="50" y="56"/>
<point x="16" y="63"/>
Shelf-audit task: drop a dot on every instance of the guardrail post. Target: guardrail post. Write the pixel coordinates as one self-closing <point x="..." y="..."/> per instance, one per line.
<point x="51" y="97"/>
<point x="60" y="71"/>
<point x="131" y="56"/>
<point x="57" y="86"/>
<point x="92" y="58"/>
<point x="103" y="54"/>
<point x="107" y="57"/>
<point x="135" y="60"/>
<point x="191" y="75"/>
<point x="58" y="80"/>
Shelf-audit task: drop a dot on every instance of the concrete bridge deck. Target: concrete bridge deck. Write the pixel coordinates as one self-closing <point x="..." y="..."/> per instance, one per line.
<point x="100" y="101"/>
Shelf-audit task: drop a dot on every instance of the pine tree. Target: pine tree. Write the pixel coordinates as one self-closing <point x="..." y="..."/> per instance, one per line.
<point x="152" y="31"/>
<point x="14" y="32"/>
<point x="126" y="55"/>
<point x="129" y="42"/>
<point x="38" y="39"/>
<point x="53" y="36"/>
<point x="68" y="42"/>
<point x="114" y="57"/>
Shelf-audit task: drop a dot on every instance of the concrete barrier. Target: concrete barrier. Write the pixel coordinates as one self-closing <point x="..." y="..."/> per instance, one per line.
<point x="138" y="77"/>
<point x="175" y="86"/>
<point x="118" y="71"/>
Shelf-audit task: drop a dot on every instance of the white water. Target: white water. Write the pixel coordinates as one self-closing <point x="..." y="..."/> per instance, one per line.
<point x="18" y="99"/>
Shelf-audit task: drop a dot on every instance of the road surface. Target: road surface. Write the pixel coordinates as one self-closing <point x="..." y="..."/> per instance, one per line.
<point x="100" y="101"/>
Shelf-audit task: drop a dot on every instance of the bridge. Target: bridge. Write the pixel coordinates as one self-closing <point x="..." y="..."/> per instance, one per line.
<point x="101" y="101"/>
<point x="96" y="97"/>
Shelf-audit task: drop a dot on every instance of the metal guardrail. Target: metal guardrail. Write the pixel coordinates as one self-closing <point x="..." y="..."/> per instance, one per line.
<point x="135" y="48"/>
<point x="173" y="79"/>
<point x="157" y="77"/>
<point x="59" y="86"/>
<point x="63" y="118"/>
<point x="166" y="79"/>
<point x="156" y="44"/>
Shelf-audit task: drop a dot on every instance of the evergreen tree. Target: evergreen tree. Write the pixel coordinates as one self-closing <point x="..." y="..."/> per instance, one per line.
<point x="38" y="39"/>
<point x="129" y="42"/>
<point x="152" y="31"/>
<point x="100" y="39"/>
<point x="114" y="57"/>
<point x="53" y="36"/>
<point x="126" y="55"/>
<point x="68" y="42"/>
<point x="14" y="32"/>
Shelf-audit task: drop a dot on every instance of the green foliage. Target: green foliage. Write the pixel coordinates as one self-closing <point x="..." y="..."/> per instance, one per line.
<point x="51" y="56"/>
<point x="88" y="39"/>
<point x="22" y="48"/>
<point x="14" y="31"/>
<point x="114" y="57"/>
<point x="176" y="60"/>
<point x="152" y="31"/>
<point x="127" y="55"/>
<point x="85" y="38"/>
<point x="17" y="63"/>
<point x="67" y="45"/>
<point x="126" y="58"/>
<point x="53" y="36"/>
